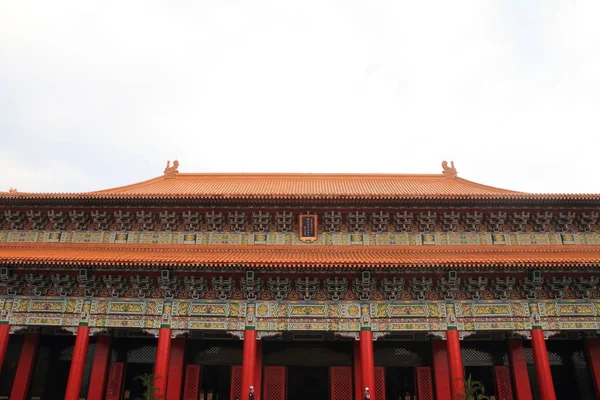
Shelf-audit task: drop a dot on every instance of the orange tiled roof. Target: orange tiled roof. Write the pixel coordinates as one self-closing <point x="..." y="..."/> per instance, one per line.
<point x="302" y="187"/>
<point x="305" y="256"/>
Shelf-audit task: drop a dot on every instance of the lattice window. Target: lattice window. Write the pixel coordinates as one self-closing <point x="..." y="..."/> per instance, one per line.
<point x="503" y="386"/>
<point x="392" y="354"/>
<point x="115" y="380"/>
<point x="379" y="383"/>
<point x="424" y="383"/>
<point x="474" y="357"/>
<point x="217" y="353"/>
<point x="274" y="383"/>
<point x="553" y="358"/>
<point x="87" y="370"/>
<point x="236" y="382"/>
<point x="308" y="354"/>
<point x="145" y="354"/>
<point x="191" y="384"/>
<point x="341" y="383"/>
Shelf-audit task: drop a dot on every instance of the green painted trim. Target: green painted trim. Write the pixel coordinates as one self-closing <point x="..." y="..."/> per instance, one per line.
<point x="165" y="325"/>
<point x="3" y="322"/>
<point x="365" y="328"/>
<point x="537" y="327"/>
<point x="249" y="328"/>
<point x="452" y="328"/>
<point x="83" y="323"/>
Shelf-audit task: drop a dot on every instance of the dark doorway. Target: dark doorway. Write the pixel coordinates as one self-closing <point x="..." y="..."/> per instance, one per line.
<point x="216" y="381"/>
<point x="485" y="375"/>
<point x="308" y="383"/>
<point x="400" y="382"/>
<point x="132" y="385"/>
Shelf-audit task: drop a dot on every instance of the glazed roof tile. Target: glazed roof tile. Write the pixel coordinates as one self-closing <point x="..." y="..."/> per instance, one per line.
<point x="305" y="256"/>
<point x="302" y="187"/>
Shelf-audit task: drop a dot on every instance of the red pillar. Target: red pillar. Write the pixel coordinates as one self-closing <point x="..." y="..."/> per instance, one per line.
<point x="592" y="348"/>
<point x="176" y="369"/>
<point x="25" y="367"/>
<point x="367" y="363"/>
<point x="249" y="363"/>
<point x="518" y="366"/>
<point x="99" y="368"/>
<point x="358" y="387"/>
<point x="441" y="375"/>
<point x="455" y="364"/>
<point x="542" y="365"/>
<point x="258" y="371"/>
<point x="161" y="366"/>
<point x="78" y="363"/>
<point x="4" y="335"/>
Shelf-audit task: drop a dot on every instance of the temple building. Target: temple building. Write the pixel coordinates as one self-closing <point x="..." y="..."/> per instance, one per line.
<point x="299" y="286"/>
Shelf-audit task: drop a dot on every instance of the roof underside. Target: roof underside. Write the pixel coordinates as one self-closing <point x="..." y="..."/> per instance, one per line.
<point x="463" y="257"/>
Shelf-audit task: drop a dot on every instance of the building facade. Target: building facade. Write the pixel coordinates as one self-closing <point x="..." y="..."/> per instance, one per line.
<point x="295" y="286"/>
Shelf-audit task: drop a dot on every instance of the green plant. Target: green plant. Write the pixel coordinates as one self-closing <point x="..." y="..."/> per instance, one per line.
<point x="149" y="388"/>
<point x="473" y="390"/>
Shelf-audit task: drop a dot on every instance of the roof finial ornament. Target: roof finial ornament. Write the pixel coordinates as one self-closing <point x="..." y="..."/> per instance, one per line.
<point x="13" y="190"/>
<point x="449" y="171"/>
<point x="171" y="171"/>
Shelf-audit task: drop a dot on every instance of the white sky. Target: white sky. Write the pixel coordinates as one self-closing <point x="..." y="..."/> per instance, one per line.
<point x="100" y="94"/>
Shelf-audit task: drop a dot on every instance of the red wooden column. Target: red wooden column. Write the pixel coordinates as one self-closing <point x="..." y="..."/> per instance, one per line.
<point x="441" y="375"/>
<point x="25" y="367"/>
<point x="176" y="369"/>
<point x="592" y="348"/>
<point x="161" y="366"/>
<point x="542" y="364"/>
<point x="78" y="363"/>
<point x="249" y="363"/>
<point x="358" y="387"/>
<point x="99" y="368"/>
<point x="455" y="363"/>
<point x="4" y="336"/>
<point x="367" y="363"/>
<point x="518" y="365"/>
<point x="258" y="370"/>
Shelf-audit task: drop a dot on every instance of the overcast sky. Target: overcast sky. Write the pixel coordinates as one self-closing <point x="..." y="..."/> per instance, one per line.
<point x="101" y="94"/>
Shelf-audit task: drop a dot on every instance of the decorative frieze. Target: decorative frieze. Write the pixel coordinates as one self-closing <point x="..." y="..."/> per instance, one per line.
<point x="279" y="288"/>
<point x="332" y="221"/>
<point x="380" y="221"/>
<point x="472" y="221"/>
<point x="124" y="220"/>
<point x="587" y="220"/>
<point x="356" y="221"/>
<point x="223" y="287"/>
<point x="145" y="220"/>
<point x="79" y="219"/>
<point x="37" y="219"/>
<point x="169" y="220"/>
<point x="191" y="221"/>
<point x="261" y="221"/>
<point x="100" y="219"/>
<point x="237" y="221"/>
<point x="427" y="221"/>
<point x="214" y="221"/>
<point x="564" y="221"/>
<point x="307" y="288"/>
<point x="16" y="219"/>
<point x="403" y="221"/>
<point x="284" y="221"/>
<point x="196" y="287"/>
<point x="420" y="288"/>
<point x="518" y="221"/>
<point x="39" y="284"/>
<point x="502" y="287"/>
<point x="58" y="219"/>
<point x="450" y="221"/>
<point x="335" y="288"/>
<point x="541" y="221"/>
<point x="392" y="288"/>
